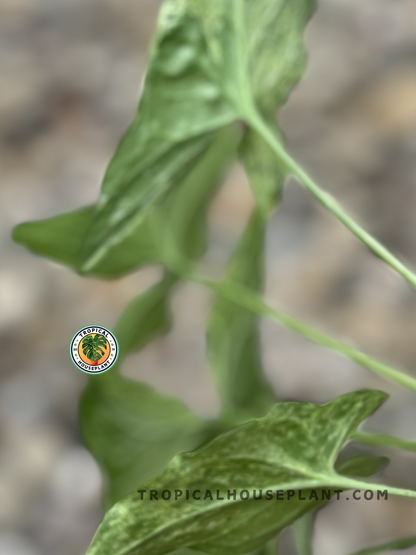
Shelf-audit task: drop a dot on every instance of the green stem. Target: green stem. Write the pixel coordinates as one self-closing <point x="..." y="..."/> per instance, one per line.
<point x="348" y="484"/>
<point x="246" y="299"/>
<point x="384" y="441"/>
<point x="324" y="198"/>
<point x="391" y="546"/>
<point x="269" y="549"/>
<point x="303" y="529"/>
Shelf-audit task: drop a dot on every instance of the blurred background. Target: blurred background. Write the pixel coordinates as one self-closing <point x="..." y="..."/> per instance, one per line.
<point x="70" y="79"/>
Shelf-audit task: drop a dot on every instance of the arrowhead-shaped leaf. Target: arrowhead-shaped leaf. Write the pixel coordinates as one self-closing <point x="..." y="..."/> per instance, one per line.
<point x="60" y="238"/>
<point x="182" y="215"/>
<point x="211" y="63"/>
<point x="294" y="447"/>
<point x="134" y="431"/>
<point x="233" y="341"/>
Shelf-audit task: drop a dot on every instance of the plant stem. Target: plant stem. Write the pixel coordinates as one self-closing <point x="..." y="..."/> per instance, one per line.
<point x="303" y="529"/>
<point x="384" y="441"/>
<point x="253" y="302"/>
<point x="391" y="546"/>
<point x="348" y="484"/>
<point x="269" y="548"/>
<point x="324" y="198"/>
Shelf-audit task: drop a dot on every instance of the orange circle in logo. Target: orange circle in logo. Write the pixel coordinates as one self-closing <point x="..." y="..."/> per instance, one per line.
<point x="105" y="350"/>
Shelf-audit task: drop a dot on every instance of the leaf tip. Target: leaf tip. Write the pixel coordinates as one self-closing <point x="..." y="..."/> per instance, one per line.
<point x="18" y="234"/>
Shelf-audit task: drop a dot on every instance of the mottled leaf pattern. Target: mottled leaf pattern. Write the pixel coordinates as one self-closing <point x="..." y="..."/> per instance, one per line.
<point x="294" y="447"/>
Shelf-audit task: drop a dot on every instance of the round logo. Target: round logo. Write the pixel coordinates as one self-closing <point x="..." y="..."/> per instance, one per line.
<point x="94" y="349"/>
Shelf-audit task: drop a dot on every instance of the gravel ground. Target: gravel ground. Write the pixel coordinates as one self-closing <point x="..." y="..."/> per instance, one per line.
<point x="70" y="79"/>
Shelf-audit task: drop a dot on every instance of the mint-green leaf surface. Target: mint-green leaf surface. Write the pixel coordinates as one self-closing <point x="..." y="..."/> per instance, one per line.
<point x="233" y="342"/>
<point x="294" y="447"/>
<point x="211" y="63"/>
<point x="182" y="215"/>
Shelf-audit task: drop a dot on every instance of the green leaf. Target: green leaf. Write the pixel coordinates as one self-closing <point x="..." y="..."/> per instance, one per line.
<point x="233" y="342"/>
<point x="294" y="447"/>
<point x="362" y="466"/>
<point x="268" y="549"/>
<point x="182" y="216"/>
<point x="185" y="210"/>
<point x="60" y="239"/>
<point x="133" y="431"/>
<point x="101" y="340"/>
<point x="91" y="346"/>
<point x="397" y="544"/>
<point x="211" y="64"/>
